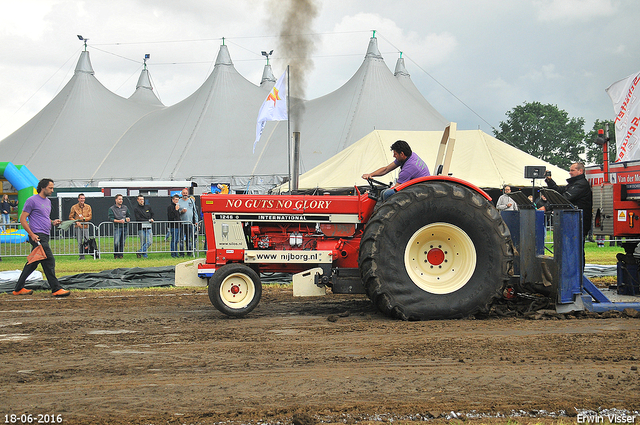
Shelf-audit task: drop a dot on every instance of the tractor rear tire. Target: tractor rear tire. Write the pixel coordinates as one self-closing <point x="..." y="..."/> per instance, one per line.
<point x="435" y="250"/>
<point x="235" y="289"/>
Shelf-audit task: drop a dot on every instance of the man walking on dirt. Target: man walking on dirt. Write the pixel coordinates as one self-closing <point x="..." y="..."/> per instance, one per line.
<point x="411" y="167"/>
<point x="35" y="219"/>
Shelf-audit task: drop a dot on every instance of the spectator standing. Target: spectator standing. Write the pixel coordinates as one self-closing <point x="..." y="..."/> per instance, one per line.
<point x="81" y="212"/>
<point x="144" y="215"/>
<point x="35" y="219"/>
<point x="5" y="209"/>
<point x="188" y="216"/>
<point x="505" y="203"/>
<point x="173" y="214"/>
<point x="120" y="216"/>
<point x="578" y="192"/>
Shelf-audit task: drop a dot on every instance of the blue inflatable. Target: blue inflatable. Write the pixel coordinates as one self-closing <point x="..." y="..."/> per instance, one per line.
<point x="18" y="236"/>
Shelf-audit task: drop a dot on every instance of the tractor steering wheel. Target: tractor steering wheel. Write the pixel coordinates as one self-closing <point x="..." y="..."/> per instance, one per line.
<point x="379" y="184"/>
<point x="377" y="188"/>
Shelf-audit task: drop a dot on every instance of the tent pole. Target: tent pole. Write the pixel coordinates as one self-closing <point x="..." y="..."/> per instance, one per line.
<point x="289" y="126"/>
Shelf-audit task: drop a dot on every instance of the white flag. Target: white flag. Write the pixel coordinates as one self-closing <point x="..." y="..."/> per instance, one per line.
<point x="627" y="109"/>
<point x="274" y="107"/>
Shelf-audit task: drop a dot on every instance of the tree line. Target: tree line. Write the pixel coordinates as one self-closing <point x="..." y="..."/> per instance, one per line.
<point x="548" y="133"/>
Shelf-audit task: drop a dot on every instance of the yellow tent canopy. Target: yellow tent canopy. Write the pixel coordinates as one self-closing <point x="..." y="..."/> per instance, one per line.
<point x="478" y="158"/>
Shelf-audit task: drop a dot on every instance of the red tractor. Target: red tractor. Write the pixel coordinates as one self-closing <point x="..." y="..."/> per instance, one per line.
<point x="436" y="249"/>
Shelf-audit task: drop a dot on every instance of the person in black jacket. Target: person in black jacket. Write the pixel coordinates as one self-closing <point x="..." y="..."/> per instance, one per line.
<point x="144" y="216"/>
<point x="173" y="214"/>
<point x="578" y="192"/>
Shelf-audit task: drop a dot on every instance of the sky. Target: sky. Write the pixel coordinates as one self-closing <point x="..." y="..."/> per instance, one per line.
<point x="473" y="60"/>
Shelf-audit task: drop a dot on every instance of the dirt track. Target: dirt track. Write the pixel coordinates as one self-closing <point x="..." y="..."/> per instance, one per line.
<point x="151" y="357"/>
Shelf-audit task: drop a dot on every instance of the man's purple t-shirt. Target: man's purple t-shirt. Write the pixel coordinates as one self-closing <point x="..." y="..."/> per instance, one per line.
<point x="412" y="168"/>
<point x="39" y="210"/>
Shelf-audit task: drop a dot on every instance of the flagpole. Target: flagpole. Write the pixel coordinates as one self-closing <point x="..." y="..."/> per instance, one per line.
<point x="289" y="126"/>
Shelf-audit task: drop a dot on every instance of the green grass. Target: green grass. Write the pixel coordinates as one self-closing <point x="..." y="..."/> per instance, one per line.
<point x="105" y="242"/>
<point x="68" y="265"/>
<point x="604" y="255"/>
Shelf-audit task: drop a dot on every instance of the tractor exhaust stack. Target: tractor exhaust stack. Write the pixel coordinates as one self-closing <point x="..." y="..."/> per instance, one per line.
<point x="295" y="174"/>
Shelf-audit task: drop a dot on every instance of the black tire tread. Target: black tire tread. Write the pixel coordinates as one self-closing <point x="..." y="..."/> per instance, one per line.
<point x="376" y="244"/>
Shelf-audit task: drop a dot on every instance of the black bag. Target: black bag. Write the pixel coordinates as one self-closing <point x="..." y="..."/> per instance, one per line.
<point x="89" y="246"/>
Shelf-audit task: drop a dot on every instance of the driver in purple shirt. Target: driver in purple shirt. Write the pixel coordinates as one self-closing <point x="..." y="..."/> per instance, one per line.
<point x="411" y="167"/>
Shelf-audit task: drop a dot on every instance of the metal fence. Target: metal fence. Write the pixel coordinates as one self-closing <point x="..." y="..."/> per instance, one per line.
<point x="111" y="240"/>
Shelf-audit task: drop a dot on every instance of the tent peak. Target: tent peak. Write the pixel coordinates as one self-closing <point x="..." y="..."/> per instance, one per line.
<point x="144" y="91"/>
<point x="372" y="51"/>
<point x="267" y="76"/>
<point x="224" y="58"/>
<point x="400" y="68"/>
<point x="144" y="81"/>
<point x="84" y="64"/>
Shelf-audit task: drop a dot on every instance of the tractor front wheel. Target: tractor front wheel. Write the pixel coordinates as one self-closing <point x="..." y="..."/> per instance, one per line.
<point x="235" y="289"/>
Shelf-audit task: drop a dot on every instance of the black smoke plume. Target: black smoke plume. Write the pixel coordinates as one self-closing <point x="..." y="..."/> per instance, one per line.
<point x="295" y="46"/>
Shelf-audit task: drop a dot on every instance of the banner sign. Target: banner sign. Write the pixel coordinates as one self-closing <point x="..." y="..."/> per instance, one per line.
<point x="627" y="110"/>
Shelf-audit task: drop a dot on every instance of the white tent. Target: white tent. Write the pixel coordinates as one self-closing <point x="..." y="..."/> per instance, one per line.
<point x="477" y="158"/>
<point x="208" y="134"/>
<point x="372" y="99"/>
<point x="75" y="131"/>
<point x="88" y="134"/>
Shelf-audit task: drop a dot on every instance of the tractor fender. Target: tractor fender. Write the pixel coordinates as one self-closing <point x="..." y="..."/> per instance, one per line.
<point x="444" y="179"/>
